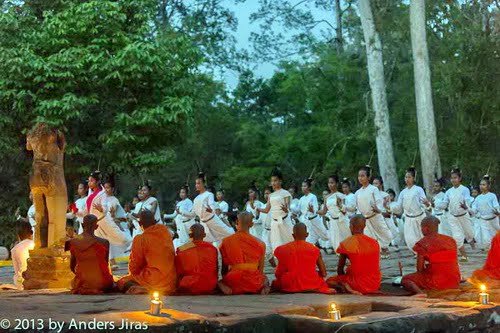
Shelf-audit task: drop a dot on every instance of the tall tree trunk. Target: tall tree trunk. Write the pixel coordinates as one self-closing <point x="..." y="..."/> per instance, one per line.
<point x="429" y="154"/>
<point x="338" y="28"/>
<point x="385" y="152"/>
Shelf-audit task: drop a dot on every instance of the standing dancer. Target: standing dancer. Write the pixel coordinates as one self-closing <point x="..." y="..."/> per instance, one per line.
<point x="378" y="182"/>
<point x="251" y="206"/>
<point x="369" y="202"/>
<point x="204" y="207"/>
<point x="78" y="209"/>
<point x="278" y="207"/>
<point x="148" y="202"/>
<point x="265" y="220"/>
<point x="308" y="204"/>
<point x="485" y="209"/>
<point x="109" y="228"/>
<point x="134" y="215"/>
<point x="457" y="199"/>
<point x="182" y="222"/>
<point x="441" y="214"/>
<point x="399" y="238"/>
<point x="411" y="202"/>
<point x="349" y="202"/>
<point x="294" y="204"/>
<point x="338" y="230"/>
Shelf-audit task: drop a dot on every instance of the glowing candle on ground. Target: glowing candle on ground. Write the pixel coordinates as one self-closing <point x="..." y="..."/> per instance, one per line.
<point x="156" y="304"/>
<point x="484" y="297"/>
<point x="334" y="313"/>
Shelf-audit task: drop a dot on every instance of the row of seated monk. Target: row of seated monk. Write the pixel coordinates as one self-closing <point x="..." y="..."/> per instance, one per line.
<point x="193" y="270"/>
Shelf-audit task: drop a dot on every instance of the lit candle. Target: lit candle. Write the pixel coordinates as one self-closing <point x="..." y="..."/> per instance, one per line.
<point x="156" y="304"/>
<point x="484" y="297"/>
<point x="334" y="313"/>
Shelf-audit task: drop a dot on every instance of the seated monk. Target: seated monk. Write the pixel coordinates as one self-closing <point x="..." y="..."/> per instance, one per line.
<point x="490" y="274"/>
<point x="243" y="261"/>
<point x="297" y="263"/>
<point x="89" y="261"/>
<point x="363" y="275"/>
<point x="196" y="264"/>
<point x="152" y="260"/>
<point x="437" y="265"/>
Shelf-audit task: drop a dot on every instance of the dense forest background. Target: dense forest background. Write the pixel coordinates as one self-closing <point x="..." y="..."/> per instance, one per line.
<point x="135" y="87"/>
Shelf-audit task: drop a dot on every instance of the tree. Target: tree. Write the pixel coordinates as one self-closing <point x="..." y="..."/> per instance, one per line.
<point x="429" y="153"/>
<point x="385" y="152"/>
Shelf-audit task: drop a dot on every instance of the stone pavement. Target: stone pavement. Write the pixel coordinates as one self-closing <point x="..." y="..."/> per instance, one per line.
<point x="457" y="311"/>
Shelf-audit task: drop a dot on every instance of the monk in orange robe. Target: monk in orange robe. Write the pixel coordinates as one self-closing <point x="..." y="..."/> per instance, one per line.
<point x="89" y="261"/>
<point x="437" y="264"/>
<point x="363" y="275"/>
<point x="152" y="260"/>
<point x="297" y="263"/>
<point x="196" y="264"/>
<point x="243" y="261"/>
<point x="490" y="274"/>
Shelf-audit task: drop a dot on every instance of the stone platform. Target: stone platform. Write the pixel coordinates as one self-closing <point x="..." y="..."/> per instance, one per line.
<point x="56" y="310"/>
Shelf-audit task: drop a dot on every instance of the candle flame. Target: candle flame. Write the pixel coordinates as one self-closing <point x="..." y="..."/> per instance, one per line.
<point x="333" y="306"/>
<point x="482" y="287"/>
<point x="156" y="295"/>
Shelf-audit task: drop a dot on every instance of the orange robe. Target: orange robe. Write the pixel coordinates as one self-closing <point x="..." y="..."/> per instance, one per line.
<point x="92" y="273"/>
<point x="363" y="275"/>
<point x="441" y="268"/>
<point x="296" y="271"/>
<point x="242" y="253"/>
<point x="152" y="261"/>
<point x="196" y="265"/>
<point x="490" y="274"/>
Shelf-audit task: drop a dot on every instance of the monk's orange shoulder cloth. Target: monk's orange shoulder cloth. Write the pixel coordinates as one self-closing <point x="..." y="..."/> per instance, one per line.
<point x="242" y="253"/>
<point x="196" y="265"/>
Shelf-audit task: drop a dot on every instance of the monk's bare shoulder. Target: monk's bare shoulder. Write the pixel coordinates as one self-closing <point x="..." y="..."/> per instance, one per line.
<point x="102" y="241"/>
<point x="187" y="246"/>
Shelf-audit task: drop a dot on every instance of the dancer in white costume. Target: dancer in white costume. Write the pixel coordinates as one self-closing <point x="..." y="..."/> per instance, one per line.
<point x="278" y="206"/>
<point x="457" y="199"/>
<point x="78" y="210"/>
<point x="223" y="207"/>
<point x="338" y="230"/>
<point x="182" y="222"/>
<point x="308" y="204"/>
<point x="411" y="203"/>
<point x="294" y="203"/>
<point x="369" y="202"/>
<point x="148" y="202"/>
<point x="325" y="244"/>
<point x="251" y="206"/>
<point x="398" y="240"/>
<point x="204" y="207"/>
<point x="265" y="220"/>
<point x="349" y="202"/>
<point x="436" y="200"/>
<point x="134" y="215"/>
<point x="474" y="192"/>
<point x="378" y="182"/>
<point x="485" y="208"/>
<point x="111" y="227"/>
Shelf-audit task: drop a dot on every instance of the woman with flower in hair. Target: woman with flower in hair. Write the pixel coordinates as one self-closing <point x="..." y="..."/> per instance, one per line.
<point x="204" y="207"/>
<point x="278" y="207"/>
<point x="182" y="223"/>
<point x="457" y="200"/>
<point x="411" y="202"/>
<point x="369" y="203"/>
<point x="485" y="208"/>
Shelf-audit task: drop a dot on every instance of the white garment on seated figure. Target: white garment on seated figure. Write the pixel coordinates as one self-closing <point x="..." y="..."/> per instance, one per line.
<point x="20" y="255"/>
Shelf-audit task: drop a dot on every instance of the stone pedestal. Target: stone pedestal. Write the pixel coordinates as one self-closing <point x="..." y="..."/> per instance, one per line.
<point x="48" y="268"/>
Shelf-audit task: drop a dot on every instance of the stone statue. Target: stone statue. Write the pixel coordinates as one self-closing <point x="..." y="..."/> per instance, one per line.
<point x="48" y="185"/>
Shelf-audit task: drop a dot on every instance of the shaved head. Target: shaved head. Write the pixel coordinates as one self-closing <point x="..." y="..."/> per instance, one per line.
<point x="357" y="224"/>
<point x="429" y="225"/>
<point x="300" y="231"/>
<point x="197" y="232"/>
<point x="245" y="221"/>
<point x="89" y="223"/>
<point x="146" y="219"/>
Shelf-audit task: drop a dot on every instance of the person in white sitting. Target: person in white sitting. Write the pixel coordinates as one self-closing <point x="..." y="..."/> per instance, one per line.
<point x="20" y="252"/>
